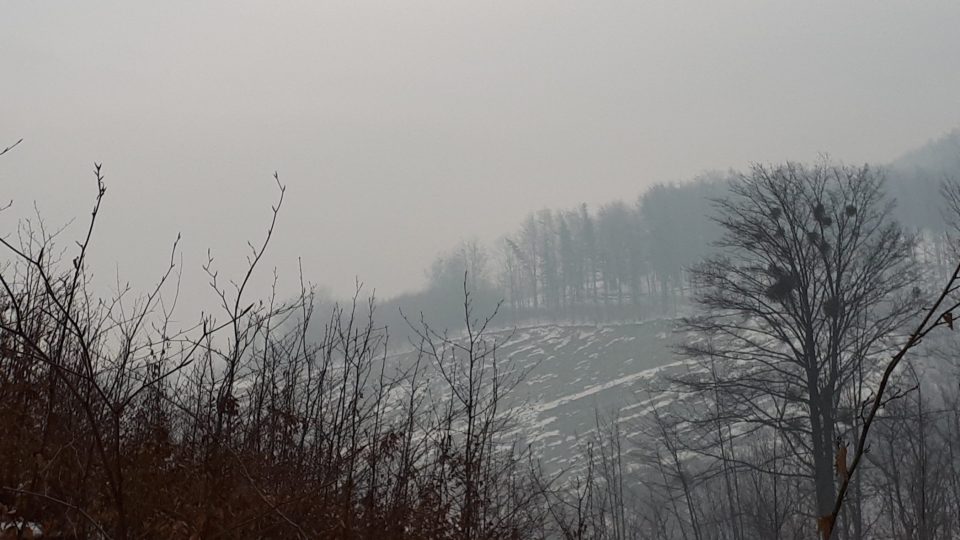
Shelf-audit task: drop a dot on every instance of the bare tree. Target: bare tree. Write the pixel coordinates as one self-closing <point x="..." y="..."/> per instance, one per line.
<point x="812" y="281"/>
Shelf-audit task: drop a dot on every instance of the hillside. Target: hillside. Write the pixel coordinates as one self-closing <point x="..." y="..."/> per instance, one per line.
<point x="575" y="373"/>
<point x="915" y="180"/>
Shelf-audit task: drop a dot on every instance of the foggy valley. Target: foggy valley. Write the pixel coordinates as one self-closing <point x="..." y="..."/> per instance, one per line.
<point x="523" y="270"/>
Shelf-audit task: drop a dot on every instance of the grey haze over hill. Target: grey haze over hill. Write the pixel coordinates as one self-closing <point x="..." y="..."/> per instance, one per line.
<point x="632" y="270"/>
<point x="402" y="127"/>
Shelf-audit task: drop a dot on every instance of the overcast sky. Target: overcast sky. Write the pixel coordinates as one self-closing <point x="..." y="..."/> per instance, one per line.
<point x="401" y="127"/>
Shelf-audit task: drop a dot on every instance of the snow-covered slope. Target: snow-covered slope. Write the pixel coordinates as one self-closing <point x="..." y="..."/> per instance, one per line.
<point x="577" y="372"/>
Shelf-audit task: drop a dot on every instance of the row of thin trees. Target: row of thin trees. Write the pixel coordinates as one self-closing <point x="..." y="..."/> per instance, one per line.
<point x="563" y="262"/>
<point x="628" y="260"/>
<point x="621" y="254"/>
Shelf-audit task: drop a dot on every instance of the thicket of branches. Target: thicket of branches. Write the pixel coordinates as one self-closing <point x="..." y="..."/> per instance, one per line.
<point x="247" y="424"/>
<point x="657" y="483"/>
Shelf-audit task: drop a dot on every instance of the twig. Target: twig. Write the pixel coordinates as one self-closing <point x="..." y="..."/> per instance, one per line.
<point x="11" y="147"/>
<point x="263" y="497"/>
<point x="935" y="316"/>
<point x="62" y="503"/>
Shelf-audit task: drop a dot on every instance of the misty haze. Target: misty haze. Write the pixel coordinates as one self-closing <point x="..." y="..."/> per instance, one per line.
<point x="488" y="270"/>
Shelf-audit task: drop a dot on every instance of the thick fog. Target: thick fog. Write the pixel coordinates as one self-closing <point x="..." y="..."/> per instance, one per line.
<point x="631" y="270"/>
<point x="400" y="128"/>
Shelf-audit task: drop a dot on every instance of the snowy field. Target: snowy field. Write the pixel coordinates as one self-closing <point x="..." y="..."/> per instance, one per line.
<point x="577" y="372"/>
